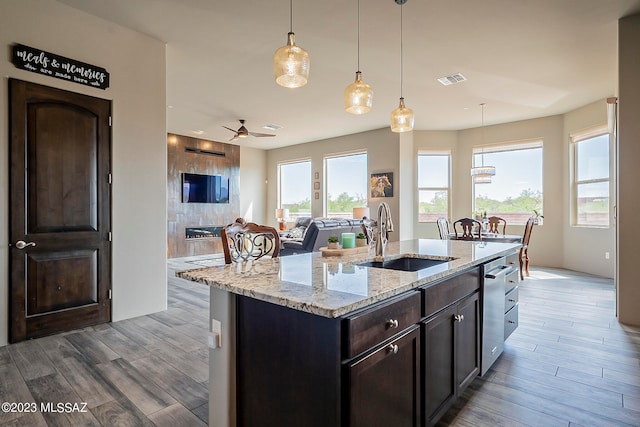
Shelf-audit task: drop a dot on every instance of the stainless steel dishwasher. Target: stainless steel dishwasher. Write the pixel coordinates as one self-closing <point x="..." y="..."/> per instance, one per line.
<point x="495" y="273"/>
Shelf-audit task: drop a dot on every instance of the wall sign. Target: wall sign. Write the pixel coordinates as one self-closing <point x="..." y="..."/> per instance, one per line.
<point x="50" y="64"/>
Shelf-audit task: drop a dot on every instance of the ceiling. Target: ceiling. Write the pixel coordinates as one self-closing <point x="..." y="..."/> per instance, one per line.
<point x="523" y="58"/>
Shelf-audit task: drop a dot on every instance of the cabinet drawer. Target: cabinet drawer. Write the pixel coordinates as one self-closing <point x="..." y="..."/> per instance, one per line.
<point x="511" y="280"/>
<point x="369" y="327"/>
<point x="510" y="321"/>
<point x="510" y="299"/>
<point x="443" y="294"/>
<point x="512" y="260"/>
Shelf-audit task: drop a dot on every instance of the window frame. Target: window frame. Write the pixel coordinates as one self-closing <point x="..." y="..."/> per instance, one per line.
<point x="293" y="162"/>
<point x="509" y="146"/>
<point x="440" y="153"/>
<point x="325" y="191"/>
<point x="576" y="138"/>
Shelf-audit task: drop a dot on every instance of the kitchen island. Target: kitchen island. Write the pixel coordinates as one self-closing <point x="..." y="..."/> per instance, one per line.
<point x="311" y="340"/>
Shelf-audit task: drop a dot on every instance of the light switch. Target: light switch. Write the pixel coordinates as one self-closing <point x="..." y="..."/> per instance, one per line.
<point x="215" y="336"/>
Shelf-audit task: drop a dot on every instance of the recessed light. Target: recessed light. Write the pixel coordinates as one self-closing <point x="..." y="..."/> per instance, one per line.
<point x="272" y="127"/>
<point x="197" y="132"/>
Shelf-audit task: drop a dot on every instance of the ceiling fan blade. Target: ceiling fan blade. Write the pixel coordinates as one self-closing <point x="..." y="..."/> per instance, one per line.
<point x="234" y="137"/>
<point x="232" y="130"/>
<point x="259" y="135"/>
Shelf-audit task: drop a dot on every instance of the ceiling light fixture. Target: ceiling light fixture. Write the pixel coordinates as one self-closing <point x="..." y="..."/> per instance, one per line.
<point x="291" y="62"/>
<point x="358" y="96"/>
<point x="482" y="174"/>
<point x="401" y="117"/>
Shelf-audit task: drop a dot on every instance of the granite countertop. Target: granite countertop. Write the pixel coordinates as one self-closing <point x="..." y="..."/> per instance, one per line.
<point x="334" y="286"/>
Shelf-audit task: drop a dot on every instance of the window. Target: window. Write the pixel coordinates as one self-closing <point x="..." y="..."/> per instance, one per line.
<point x="295" y="188"/>
<point x="591" y="178"/>
<point x="346" y="184"/>
<point x="516" y="189"/>
<point x="433" y="185"/>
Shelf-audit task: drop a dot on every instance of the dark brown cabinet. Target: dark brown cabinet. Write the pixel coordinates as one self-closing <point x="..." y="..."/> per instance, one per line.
<point x="384" y="386"/>
<point x="400" y="362"/>
<point x="450" y="345"/>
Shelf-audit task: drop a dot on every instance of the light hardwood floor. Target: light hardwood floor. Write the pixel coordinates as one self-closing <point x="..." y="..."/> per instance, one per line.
<point x="568" y="364"/>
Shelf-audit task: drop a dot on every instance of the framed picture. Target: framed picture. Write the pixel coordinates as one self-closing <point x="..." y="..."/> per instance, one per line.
<point x="317" y="196"/>
<point x="381" y="184"/>
<point x="316" y="175"/>
<point x="316" y="185"/>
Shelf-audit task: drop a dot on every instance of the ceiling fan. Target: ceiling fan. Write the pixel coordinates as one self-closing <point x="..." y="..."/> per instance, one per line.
<point x="243" y="132"/>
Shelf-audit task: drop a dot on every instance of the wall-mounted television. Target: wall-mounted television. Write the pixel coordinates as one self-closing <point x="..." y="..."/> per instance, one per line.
<point x="197" y="188"/>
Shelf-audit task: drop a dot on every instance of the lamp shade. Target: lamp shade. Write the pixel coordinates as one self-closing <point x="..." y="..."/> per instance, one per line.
<point x="291" y="64"/>
<point x="359" y="213"/>
<point x="402" y="118"/>
<point x="282" y="213"/>
<point x="358" y="96"/>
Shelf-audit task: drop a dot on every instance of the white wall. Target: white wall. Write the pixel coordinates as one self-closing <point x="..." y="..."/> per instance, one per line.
<point x="253" y="186"/>
<point x="382" y="155"/>
<point x="136" y="64"/>
<point x="584" y="248"/>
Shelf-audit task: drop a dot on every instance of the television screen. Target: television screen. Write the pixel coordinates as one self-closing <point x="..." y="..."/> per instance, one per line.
<point x="197" y="188"/>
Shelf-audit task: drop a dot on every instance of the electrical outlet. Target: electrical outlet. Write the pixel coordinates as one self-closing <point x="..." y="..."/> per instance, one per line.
<point x="606" y="255"/>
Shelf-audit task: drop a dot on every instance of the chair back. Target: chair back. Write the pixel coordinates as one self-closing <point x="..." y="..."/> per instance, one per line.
<point x="244" y="241"/>
<point x="494" y="224"/>
<point x="467" y="225"/>
<point x="443" y="228"/>
<point x="527" y="231"/>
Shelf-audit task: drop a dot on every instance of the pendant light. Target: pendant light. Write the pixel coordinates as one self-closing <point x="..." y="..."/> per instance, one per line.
<point x="291" y="62"/>
<point x="358" y="96"/>
<point x="482" y="174"/>
<point x="401" y="117"/>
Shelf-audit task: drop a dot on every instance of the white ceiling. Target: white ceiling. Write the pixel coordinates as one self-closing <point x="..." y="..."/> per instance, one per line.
<point x="523" y="58"/>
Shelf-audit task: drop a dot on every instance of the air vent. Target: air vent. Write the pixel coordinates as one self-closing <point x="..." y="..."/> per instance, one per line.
<point x="206" y="152"/>
<point x="452" y="79"/>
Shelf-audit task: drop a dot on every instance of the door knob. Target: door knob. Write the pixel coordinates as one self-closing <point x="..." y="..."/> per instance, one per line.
<point x="21" y="244"/>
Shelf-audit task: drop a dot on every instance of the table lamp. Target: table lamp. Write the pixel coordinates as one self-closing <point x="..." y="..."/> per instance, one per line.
<point x="359" y="213"/>
<point x="281" y="214"/>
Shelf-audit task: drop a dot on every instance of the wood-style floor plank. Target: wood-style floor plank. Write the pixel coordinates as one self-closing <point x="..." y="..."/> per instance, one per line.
<point x="142" y="391"/>
<point x="176" y="415"/>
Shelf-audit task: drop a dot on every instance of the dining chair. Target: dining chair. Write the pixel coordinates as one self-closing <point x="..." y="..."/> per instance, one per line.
<point x="443" y="228"/>
<point x="494" y="224"/>
<point x="467" y="225"/>
<point x="524" y="250"/>
<point x="244" y="241"/>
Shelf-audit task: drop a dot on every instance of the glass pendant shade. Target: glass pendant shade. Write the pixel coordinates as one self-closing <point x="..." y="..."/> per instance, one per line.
<point x="291" y="64"/>
<point x="402" y="118"/>
<point x="358" y="96"/>
<point x="482" y="180"/>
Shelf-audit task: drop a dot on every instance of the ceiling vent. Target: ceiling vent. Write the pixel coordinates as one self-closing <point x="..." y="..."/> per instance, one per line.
<point x="452" y="79"/>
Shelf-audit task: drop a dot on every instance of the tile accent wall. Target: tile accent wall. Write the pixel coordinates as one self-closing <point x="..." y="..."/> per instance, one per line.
<point x="193" y="155"/>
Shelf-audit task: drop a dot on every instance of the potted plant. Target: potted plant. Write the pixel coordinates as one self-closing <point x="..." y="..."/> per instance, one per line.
<point x="332" y="242"/>
<point x="361" y="240"/>
<point x="537" y="217"/>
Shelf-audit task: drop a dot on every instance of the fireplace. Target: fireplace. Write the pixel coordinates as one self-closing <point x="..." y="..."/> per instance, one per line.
<point x="203" y="232"/>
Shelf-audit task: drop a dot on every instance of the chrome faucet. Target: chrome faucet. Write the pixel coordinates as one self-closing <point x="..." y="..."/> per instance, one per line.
<point x="385" y="225"/>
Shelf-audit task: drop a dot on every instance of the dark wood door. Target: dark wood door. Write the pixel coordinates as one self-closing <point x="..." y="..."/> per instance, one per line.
<point x="60" y="209"/>
<point x="467" y="342"/>
<point x="438" y="349"/>
<point x="385" y="385"/>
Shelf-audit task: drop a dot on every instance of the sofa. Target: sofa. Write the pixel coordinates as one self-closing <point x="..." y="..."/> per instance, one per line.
<point x="317" y="233"/>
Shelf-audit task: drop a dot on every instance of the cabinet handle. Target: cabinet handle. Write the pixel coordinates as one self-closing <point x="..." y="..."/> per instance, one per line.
<point x="511" y="321"/>
<point x="392" y="349"/>
<point x="512" y="300"/>
<point x="458" y="317"/>
<point x="392" y="323"/>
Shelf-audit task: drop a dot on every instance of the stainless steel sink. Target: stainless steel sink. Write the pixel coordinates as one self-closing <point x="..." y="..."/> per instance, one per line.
<point x="406" y="263"/>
